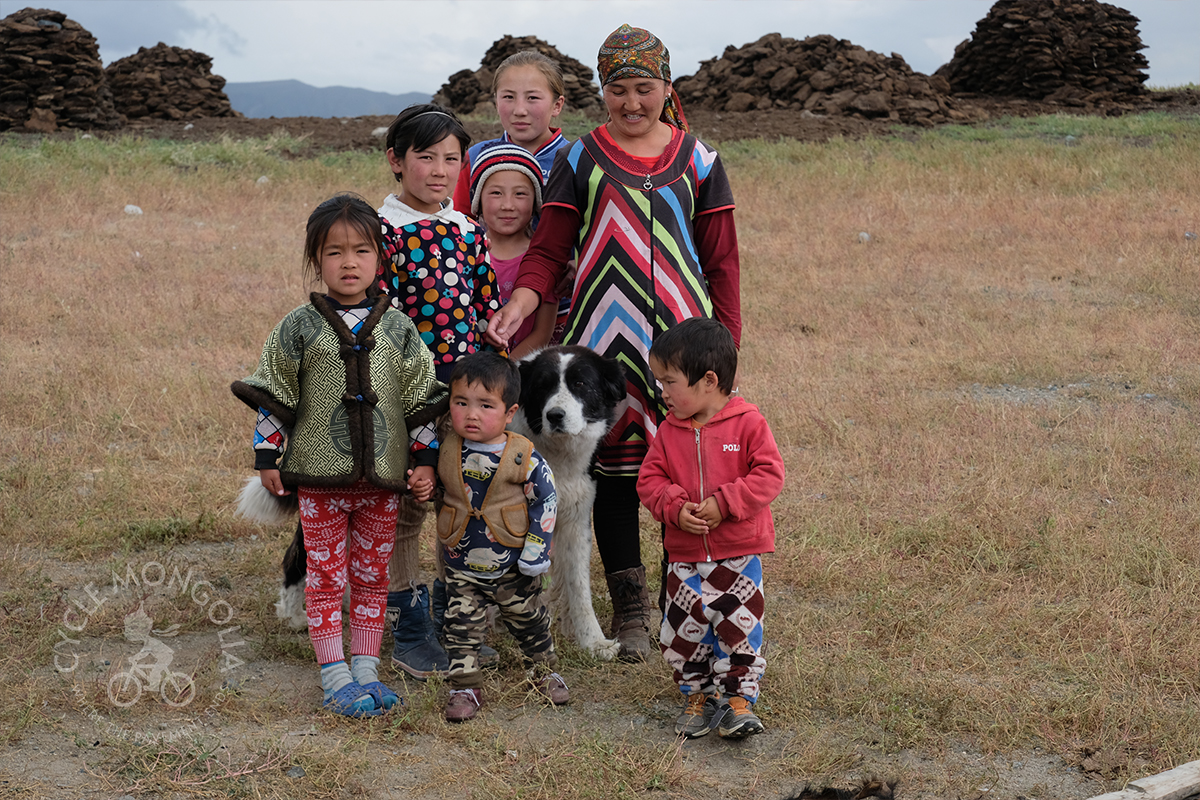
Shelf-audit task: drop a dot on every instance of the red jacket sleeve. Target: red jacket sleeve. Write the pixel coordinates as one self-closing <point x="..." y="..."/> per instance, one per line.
<point x="462" y="189"/>
<point x="716" y="242"/>
<point x="545" y="261"/>
<point x="746" y="496"/>
<point x="655" y="488"/>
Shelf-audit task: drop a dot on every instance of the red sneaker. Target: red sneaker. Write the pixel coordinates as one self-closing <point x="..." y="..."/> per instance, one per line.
<point x="463" y="704"/>
<point x="554" y="689"/>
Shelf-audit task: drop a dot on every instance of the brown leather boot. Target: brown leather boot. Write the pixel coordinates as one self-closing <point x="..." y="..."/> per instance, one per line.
<point x="631" y="613"/>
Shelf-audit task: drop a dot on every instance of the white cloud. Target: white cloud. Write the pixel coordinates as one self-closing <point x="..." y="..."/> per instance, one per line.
<point x="399" y="47"/>
<point x="942" y="47"/>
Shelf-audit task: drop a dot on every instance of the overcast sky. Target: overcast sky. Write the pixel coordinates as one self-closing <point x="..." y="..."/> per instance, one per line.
<point x="400" y="46"/>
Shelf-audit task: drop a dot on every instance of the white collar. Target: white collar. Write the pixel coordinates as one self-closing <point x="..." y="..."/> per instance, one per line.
<point x="398" y="213"/>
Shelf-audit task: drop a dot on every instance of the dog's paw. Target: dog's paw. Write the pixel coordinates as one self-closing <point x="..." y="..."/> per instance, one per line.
<point x="290" y="607"/>
<point x="604" y="649"/>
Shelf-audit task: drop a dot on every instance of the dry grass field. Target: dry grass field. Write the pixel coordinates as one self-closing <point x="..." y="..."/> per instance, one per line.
<point x="977" y="348"/>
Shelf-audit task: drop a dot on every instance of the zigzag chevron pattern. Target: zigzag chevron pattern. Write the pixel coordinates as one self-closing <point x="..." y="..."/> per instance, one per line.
<point x="638" y="274"/>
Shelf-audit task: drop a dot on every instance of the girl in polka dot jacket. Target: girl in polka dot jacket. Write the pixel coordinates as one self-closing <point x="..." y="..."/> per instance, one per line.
<point x="436" y="268"/>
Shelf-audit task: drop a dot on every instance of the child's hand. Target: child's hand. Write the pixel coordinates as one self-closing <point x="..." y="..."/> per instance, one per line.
<point x="691" y="523"/>
<point x="709" y="512"/>
<point x="271" y="480"/>
<point x="420" y="483"/>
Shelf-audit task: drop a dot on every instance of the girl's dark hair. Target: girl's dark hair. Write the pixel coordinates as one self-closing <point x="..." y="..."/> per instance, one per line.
<point x="346" y="207"/>
<point x="421" y="126"/>
<point x="497" y="374"/>
<point x="695" y="346"/>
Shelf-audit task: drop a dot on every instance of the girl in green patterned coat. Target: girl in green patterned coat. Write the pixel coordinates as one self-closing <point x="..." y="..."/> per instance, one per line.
<point x="344" y="392"/>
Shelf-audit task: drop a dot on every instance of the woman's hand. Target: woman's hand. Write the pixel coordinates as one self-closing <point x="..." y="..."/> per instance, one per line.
<point x="507" y="321"/>
<point x="539" y="337"/>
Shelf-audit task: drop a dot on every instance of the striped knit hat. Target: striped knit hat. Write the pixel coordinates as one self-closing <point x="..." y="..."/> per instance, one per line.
<point x="497" y="159"/>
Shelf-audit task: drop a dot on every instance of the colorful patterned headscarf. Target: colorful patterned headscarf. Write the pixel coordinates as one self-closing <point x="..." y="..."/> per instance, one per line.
<point x="637" y="53"/>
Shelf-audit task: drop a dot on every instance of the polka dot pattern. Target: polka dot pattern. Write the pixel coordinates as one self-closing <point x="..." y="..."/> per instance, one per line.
<point x="442" y="278"/>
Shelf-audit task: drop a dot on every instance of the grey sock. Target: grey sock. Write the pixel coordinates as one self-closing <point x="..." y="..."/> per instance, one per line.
<point x="364" y="669"/>
<point x="334" y="676"/>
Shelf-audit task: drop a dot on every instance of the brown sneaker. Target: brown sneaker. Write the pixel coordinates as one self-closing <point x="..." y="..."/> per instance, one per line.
<point x="554" y="689"/>
<point x="463" y="704"/>
<point x="739" y="720"/>
<point x="696" y="719"/>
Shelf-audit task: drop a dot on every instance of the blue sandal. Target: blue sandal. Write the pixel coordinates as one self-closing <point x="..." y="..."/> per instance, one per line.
<point x="347" y="703"/>
<point x="384" y="697"/>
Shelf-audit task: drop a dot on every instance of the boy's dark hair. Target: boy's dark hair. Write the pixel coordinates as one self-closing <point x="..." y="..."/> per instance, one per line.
<point x="345" y="207"/>
<point x="496" y="373"/>
<point x="423" y="125"/>
<point x="696" y="346"/>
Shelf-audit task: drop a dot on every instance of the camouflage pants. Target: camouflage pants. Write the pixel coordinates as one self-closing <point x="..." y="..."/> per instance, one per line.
<point x="519" y="600"/>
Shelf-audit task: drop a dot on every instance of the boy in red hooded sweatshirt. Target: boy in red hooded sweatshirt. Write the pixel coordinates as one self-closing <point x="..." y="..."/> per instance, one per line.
<point x="709" y="477"/>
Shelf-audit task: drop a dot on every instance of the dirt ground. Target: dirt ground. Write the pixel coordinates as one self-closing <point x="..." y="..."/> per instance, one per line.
<point x="355" y="133"/>
<point x="256" y="716"/>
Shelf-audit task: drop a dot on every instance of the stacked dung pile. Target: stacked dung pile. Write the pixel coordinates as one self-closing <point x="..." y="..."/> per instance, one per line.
<point x="465" y="90"/>
<point x="1076" y="52"/>
<point x="51" y="75"/>
<point x="163" y="82"/>
<point x="820" y="74"/>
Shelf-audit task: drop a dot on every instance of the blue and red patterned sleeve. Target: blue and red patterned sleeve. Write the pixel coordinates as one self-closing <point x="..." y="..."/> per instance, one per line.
<point x="269" y="437"/>
<point x="423" y="445"/>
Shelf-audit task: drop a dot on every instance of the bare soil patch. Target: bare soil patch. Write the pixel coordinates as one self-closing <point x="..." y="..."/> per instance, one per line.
<point x="259" y="721"/>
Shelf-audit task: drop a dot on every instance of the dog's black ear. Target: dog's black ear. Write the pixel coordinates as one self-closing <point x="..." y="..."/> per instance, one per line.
<point x="613" y="376"/>
<point x="525" y="368"/>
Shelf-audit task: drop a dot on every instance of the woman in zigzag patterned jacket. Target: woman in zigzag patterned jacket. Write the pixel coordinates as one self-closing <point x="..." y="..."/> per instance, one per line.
<point x="650" y="211"/>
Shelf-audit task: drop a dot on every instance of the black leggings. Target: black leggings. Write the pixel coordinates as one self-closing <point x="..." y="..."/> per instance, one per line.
<point x="615" y="515"/>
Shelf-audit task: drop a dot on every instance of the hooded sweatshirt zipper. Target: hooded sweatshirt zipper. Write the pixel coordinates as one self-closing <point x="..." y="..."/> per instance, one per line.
<point x="700" y="464"/>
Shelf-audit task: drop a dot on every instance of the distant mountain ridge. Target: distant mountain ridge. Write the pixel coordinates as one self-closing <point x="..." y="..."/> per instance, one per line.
<point x="297" y="99"/>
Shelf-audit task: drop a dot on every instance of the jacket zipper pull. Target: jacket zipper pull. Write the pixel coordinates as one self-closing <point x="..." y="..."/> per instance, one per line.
<point x="700" y="465"/>
<point x="649" y="184"/>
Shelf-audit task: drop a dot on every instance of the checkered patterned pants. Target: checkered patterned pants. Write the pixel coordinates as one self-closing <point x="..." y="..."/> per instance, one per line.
<point x="712" y="631"/>
<point x="348" y="533"/>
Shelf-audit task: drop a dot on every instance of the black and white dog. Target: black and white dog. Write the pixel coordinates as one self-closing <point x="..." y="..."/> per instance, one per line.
<point x="569" y="400"/>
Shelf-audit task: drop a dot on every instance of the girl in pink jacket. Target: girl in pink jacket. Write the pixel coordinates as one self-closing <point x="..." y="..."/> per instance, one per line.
<point x="709" y="477"/>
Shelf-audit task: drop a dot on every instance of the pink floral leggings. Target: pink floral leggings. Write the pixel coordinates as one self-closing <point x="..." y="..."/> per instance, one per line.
<point x="362" y="520"/>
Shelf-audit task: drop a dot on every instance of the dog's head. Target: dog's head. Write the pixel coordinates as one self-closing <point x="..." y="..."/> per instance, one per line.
<point x="569" y="388"/>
